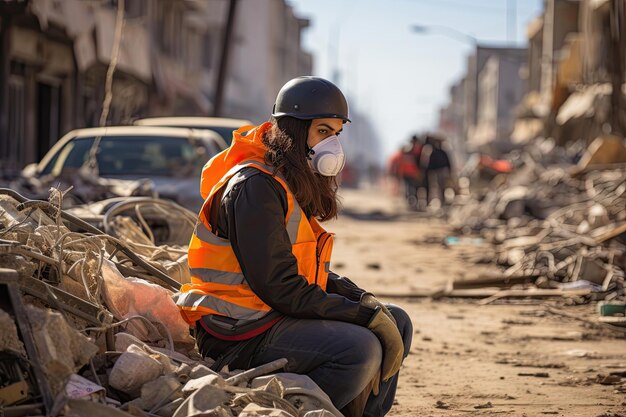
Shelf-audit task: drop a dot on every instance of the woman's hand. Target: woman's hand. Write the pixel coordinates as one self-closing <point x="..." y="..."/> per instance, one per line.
<point x="368" y="300"/>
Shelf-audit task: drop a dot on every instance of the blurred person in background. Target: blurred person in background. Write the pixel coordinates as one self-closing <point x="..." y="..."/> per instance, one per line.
<point x="410" y="173"/>
<point x="393" y="171"/>
<point x="261" y="287"/>
<point x="437" y="169"/>
<point x="416" y="152"/>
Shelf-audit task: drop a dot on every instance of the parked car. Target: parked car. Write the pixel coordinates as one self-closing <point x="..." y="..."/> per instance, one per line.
<point x="221" y="125"/>
<point x="172" y="158"/>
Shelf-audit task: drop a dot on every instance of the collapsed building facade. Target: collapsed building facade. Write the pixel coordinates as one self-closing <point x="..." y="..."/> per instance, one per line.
<point x="573" y="82"/>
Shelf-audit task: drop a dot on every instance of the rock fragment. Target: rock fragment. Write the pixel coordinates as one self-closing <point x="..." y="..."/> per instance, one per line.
<point x="62" y="350"/>
<point x="133" y="369"/>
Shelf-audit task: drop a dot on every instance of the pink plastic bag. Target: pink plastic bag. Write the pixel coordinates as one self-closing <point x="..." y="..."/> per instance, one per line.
<point x="126" y="297"/>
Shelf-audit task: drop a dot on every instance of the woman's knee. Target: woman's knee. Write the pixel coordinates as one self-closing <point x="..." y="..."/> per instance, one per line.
<point x="367" y="349"/>
<point x="366" y="356"/>
<point x="405" y="326"/>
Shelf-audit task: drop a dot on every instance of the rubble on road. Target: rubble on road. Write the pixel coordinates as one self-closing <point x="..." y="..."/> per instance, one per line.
<point x="560" y="227"/>
<point x="89" y="325"/>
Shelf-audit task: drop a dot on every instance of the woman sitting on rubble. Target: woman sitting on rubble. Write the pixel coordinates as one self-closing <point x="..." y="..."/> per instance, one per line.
<point x="261" y="286"/>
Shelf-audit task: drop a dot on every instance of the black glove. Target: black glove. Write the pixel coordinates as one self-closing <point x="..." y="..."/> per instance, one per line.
<point x="391" y="341"/>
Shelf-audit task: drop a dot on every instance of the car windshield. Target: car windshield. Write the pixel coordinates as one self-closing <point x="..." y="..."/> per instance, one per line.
<point x="133" y="156"/>
<point x="224" y="132"/>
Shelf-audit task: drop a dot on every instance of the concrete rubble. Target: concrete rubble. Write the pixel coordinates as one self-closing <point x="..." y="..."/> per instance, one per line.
<point x="62" y="350"/>
<point x="96" y="282"/>
<point x="9" y="339"/>
<point x="554" y="226"/>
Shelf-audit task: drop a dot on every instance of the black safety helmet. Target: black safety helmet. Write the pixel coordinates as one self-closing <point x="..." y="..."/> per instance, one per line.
<point x="308" y="98"/>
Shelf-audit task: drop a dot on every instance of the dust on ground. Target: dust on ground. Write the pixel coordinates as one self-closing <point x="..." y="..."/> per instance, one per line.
<point x="466" y="359"/>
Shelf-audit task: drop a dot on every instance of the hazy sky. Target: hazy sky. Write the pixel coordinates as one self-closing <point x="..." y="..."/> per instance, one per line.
<point x="400" y="78"/>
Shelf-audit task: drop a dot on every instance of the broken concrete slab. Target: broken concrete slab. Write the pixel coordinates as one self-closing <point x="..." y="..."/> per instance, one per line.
<point x="133" y="369"/>
<point x="206" y="399"/>
<point x="158" y="392"/>
<point x="200" y="370"/>
<point x="127" y="342"/>
<point x="124" y="340"/>
<point x="210" y="379"/>
<point x="62" y="350"/>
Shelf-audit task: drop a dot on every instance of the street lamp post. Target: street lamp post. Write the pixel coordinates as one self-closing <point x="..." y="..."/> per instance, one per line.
<point x="446" y="31"/>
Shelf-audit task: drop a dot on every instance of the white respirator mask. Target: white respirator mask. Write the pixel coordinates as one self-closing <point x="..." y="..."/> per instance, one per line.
<point x="327" y="157"/>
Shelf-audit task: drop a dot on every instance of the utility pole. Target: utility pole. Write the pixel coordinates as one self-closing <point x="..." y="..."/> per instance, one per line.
<point x="218" y="102"/>
<point x="616" y="66"/>
<point x="91" y="164"/>
<point x="115" y="53"/>
<point x="511" y="23"/>
<point x="4" y="88"/>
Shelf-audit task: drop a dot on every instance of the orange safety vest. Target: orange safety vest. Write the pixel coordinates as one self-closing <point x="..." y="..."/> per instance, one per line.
<point x="218" y="285"/>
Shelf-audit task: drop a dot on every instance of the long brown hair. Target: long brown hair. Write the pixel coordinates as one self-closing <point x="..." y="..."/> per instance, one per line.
<point x="287" y="151"/>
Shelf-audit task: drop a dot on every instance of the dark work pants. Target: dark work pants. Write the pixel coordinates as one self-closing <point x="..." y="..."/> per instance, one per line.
<point x="342" y="358"/>
<point x="381" y="404"/>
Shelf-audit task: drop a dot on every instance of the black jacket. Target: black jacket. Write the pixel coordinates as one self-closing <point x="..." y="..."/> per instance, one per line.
<point x="252" y="216"/>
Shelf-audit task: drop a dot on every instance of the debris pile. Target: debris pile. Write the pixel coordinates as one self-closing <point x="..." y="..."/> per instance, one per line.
<point x="89" y="325"/>
<point x="560" y="227"/>
<point x="86" y="186"/>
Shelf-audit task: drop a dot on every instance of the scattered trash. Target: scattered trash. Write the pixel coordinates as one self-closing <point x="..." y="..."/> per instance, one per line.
<point x="607" y="379"/>
<point x="516" y="322"/>
<point x="535" y="374"/>
<point x="79" y="387"/>
<point x="441" y="405"/>
<point x="580" y="353"/>
<point x="610" y="308"/>
<point x="483" y="406"/>
<point x="580" y="285"/>
<point x="457" y="240"/>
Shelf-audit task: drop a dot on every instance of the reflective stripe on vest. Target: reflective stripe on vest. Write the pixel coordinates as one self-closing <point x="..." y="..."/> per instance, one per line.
<point x="217" y="284"/>
<point x="218" y="306"/>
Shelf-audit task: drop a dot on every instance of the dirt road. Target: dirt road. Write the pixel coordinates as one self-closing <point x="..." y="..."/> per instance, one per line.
<point x="466" y="359"/>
